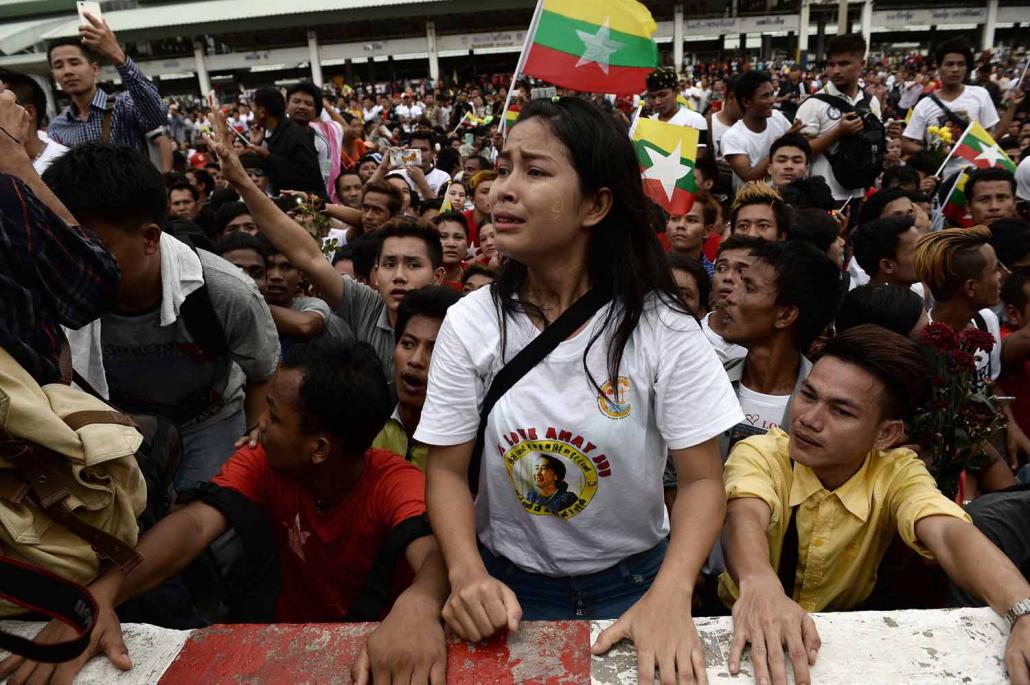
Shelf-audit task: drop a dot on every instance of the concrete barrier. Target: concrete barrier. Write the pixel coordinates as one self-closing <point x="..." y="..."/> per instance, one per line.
<point x="860" y="648"/>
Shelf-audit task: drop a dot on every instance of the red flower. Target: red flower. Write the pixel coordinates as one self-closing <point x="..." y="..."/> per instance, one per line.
<point x="940" y="336"/>
<point x="962" y="359"/>
<point x="975" y="339"/>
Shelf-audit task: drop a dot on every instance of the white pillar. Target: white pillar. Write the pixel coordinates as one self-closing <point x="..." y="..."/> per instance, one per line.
<point x="867" y="22"/>
<point x="201" y="67"/>
<point x="677" y="37"/>
<point x="314" y="60"/>
<point x="434" y="53"/>
<point x="842" y="17"/>
<point x="802" y="56"/>
<point x="990" y="25"/>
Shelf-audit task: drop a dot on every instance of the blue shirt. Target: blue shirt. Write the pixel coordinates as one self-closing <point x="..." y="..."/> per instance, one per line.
<point x="137" y="112"/>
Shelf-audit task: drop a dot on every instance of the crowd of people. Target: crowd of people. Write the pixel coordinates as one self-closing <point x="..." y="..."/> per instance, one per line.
<point x="436" y="372"/>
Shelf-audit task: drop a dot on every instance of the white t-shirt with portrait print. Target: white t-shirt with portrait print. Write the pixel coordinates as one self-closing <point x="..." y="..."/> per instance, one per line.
<point x="672" y="394"/>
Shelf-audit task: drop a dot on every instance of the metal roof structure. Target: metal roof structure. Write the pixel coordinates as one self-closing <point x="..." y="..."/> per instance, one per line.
<point x="213" y="16"/>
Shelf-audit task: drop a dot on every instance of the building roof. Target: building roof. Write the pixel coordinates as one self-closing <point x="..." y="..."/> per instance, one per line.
<point x="205" y="15"/>
<point x="19" y="35"/>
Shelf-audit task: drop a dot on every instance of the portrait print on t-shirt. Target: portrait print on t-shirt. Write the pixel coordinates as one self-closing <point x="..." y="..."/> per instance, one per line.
<point x="553" y="475"/>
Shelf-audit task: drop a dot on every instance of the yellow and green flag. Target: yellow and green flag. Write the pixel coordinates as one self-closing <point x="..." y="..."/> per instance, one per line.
<point x="667" y="154"/>
<point x="977" y="147"/>
<point x="594" y="46"/>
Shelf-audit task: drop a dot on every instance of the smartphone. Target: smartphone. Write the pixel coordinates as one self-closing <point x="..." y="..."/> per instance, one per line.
<point x="243" y="138"/>
<point x="91" y="8"/>
<point x="402" y="158"/>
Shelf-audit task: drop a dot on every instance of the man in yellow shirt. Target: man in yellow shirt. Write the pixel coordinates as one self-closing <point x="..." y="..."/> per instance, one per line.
<point x="838" y="489"/>
<point x="419" y="318"/>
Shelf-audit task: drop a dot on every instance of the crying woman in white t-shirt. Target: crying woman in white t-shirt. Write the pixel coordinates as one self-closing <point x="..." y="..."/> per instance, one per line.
<point x="569" y="520"/>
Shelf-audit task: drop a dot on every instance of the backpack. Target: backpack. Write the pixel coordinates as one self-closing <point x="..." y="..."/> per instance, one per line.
<point x="202" y="323"/>
<point x="858" y="161"/>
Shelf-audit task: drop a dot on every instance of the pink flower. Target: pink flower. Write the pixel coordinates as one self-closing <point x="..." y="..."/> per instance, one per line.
<point x="940" y="336"/>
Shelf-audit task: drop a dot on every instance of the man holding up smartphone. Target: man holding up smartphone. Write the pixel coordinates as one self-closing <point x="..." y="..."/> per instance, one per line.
<point x="129" y="118"/>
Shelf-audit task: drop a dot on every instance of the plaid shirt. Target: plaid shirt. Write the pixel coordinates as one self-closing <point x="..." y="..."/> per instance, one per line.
<point x="137" y="112"/>
<point x="50" y="274"/>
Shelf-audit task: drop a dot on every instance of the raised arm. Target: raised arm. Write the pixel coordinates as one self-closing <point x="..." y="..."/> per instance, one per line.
<point x="150" y="112"/>
<point x="288" y="237"/>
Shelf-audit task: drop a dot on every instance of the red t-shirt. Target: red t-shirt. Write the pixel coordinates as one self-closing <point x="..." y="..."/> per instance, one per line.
<point x="325" y="558"/>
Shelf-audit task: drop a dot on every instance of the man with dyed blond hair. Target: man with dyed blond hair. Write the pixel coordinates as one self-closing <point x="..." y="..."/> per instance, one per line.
<point x="962" y="272"/>
<point x="759" y="211"/>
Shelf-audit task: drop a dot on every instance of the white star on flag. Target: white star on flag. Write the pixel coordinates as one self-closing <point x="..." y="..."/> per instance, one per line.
<point x="599" y="47"/>
<point x="297" y="537"/>
<point x="991" y="155"/>
<point x="666" y="170"/>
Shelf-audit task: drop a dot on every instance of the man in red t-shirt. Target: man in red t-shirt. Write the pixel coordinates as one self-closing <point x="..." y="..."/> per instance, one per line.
<point x="334" y="505"/>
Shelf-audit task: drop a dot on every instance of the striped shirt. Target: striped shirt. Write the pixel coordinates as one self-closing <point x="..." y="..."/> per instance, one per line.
<point x="138" y="113"/>
<point x="50" y="274"/>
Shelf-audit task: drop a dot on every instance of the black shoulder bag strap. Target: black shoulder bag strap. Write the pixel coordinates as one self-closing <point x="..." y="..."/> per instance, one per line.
<point x="948" y="114"/>
<point x="840" y="103"/>
<point x="43" y="592"/>
<point x="531" y="355"/>
<point x="198" y="314"/>
<point x="788" y="568"/>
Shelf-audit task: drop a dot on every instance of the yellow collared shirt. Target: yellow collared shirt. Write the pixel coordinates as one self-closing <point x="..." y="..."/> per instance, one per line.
<point x="843" y="534"/>
<point x="393" y="438"/>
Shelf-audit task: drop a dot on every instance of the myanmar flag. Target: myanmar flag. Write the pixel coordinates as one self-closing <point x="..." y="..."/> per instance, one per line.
<point x="594" y="46"/>
<point x="977" y="147"/>
<point x="510" y="115"/>
<point x="955" y="204"/>
<point x="666" y="153"/>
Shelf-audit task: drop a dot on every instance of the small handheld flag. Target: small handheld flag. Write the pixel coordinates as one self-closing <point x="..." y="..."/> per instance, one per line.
<point x="667" y="154"/>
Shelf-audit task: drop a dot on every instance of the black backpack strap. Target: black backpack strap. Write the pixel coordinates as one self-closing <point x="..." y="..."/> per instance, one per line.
<point x="43" y="592"/>
<point x="374" y="597"/>
<point x="788" y="568"/>
<point x="531" y="355"/>
<point x="198" y="314"/>
<point x="840" y="103"/>
<point x="948" y="114"/>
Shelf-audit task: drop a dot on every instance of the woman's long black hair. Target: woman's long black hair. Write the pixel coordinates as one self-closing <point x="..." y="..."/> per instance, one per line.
<point x="623" y="253"/>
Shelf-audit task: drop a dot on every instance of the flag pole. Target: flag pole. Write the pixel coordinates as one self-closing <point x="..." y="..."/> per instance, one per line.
<point x="953" y="148"/>
<point x="636" y="118"/>
<point x="530" y="33"/>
